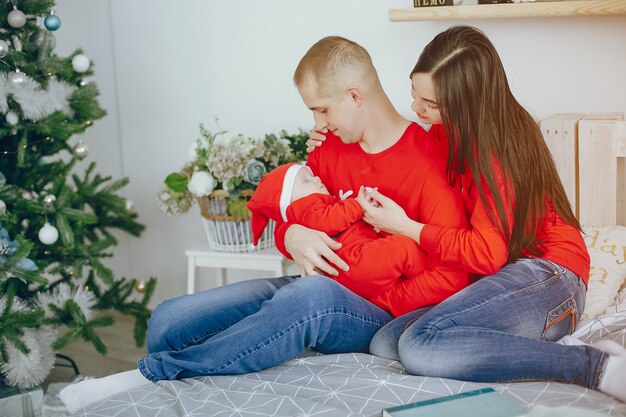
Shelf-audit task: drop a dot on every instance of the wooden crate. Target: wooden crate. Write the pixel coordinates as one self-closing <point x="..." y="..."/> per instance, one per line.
<point x="602" y="171"/>
<point x="560" y="131"/>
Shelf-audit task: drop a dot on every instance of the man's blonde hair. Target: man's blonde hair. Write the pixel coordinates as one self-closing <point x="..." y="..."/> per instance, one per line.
<point x="334" y="62"/>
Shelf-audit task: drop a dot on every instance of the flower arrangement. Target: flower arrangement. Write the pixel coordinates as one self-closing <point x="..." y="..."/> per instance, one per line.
<point x="231" y="162"/>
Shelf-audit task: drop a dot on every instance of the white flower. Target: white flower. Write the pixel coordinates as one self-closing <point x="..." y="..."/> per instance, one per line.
<point x="201" y="184"/>
<point x="228" y="138"/>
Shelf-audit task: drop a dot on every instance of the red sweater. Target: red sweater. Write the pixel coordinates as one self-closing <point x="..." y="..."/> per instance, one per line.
<point x="483" y="250"/>
<point x="412" y="173"/>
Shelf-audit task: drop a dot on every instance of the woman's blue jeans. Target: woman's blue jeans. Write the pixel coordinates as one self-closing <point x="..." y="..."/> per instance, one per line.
<point x="499" y="329"/>
<point x="253" y="325"/>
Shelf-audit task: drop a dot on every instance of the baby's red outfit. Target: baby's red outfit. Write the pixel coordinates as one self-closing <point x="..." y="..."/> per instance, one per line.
<point x="376" y="262"/>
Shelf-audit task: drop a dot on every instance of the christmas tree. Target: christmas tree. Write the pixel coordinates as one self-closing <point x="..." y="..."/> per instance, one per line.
<point x="55" y="223"/>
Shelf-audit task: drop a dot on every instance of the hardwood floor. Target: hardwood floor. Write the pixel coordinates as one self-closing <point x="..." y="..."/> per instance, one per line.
<point x="122" y="353"/>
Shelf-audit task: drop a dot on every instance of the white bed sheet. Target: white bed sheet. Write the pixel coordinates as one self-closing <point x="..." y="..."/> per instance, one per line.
<point x="343" y="385"/>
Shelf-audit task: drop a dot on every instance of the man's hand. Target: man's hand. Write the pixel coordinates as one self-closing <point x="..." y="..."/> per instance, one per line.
<point x="313" y="251"/>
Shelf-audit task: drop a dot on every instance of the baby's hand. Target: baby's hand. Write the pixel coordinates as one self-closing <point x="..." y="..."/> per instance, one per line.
<point x="364" y="200"/>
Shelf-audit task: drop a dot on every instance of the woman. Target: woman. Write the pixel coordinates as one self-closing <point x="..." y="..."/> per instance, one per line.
<point x="523" y="238"/>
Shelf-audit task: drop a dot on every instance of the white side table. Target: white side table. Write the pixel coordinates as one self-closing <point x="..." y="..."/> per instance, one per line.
<point x="203" y="256"/>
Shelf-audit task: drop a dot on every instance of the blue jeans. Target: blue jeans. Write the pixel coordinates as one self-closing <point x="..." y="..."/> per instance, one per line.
<point x="499" y="329"/>
<point x="253" y="325"/>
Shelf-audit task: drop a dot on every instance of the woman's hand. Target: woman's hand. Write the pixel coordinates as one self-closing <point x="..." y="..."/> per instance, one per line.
<point x="384" y="213"/>
<point x="316" y="138"/>
<point x="313" y="251"/>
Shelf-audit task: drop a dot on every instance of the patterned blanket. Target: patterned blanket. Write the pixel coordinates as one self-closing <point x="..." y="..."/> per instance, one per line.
<point x="343" y="385"/>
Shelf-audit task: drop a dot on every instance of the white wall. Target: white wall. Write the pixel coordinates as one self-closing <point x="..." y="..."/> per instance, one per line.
<point x="163" y="67"/>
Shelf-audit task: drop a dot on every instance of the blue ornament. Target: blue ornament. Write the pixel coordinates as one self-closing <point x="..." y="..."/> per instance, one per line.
<point x="52" y="22"/>
<point x="7" y="246"/>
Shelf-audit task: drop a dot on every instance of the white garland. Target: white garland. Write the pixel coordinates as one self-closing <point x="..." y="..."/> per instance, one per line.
<point x="63" y="292"/>
<point x="4" y="106"/>
<point x="27" y="370"/>
<point x="37" y="103"/>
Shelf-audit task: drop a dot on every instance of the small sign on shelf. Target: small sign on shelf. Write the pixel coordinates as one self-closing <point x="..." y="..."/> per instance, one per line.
<point x="431" y="3"/>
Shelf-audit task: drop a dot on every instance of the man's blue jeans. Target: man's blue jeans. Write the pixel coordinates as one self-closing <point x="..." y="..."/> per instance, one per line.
<point x="499" y="329"/>
<point x="253" y="325"/>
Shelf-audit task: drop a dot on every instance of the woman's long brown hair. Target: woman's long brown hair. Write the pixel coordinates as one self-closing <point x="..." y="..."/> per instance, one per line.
<point x="483" y="123"/>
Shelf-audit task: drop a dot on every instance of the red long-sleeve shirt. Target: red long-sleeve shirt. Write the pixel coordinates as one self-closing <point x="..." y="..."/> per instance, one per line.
<point x="412" y="173"/>
<point x="483" y="250"/>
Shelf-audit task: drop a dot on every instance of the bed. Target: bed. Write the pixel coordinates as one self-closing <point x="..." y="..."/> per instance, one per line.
<point x="342" y="385"/>
<point x="354" y="385"/>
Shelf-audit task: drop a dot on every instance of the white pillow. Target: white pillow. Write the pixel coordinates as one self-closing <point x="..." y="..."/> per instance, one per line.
<point x="607" y="249"/>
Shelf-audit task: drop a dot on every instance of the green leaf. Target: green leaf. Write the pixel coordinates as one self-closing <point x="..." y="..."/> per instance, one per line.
<point x="79" y="215"/>
<point x="97" y="343"/>
<point x="104" y="273"/>
<point x="62" y="341"/>
<point x="141" y="328"/>
<point x="29" y="276"/>
<point x="102" y="321"/>
<point x="150" y="287"/>
<point x="116" y="185"/>
<point x="21" y="150"/>
<point x="67" y="235"/>
<point x="176" y="182"/>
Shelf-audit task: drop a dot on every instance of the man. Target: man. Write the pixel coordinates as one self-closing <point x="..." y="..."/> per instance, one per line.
<point x="368" y="143"/>
<point x="253" y="325"/>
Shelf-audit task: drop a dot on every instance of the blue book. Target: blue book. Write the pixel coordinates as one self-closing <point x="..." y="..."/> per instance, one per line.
<point x="484" y="402"/>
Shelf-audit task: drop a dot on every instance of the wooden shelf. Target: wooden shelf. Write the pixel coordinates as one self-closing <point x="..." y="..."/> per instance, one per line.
<point x="511" y="10"/>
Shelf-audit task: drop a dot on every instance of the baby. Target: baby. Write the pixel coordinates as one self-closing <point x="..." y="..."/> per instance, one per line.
<point x="291" y="193"/>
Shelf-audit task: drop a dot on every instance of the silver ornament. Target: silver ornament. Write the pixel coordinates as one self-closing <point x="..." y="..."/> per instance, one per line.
<point x="4" y="48"/>
<point x="80" y="150"/>
<point x="3" y="207"/>
<point x="12" y="118"/>
<point x="16" y="18"/>
<point x="49" y="199"/>
<point x="48" y="234"/>
<point x="80" y="63"/>
<point x="18" y="79"/>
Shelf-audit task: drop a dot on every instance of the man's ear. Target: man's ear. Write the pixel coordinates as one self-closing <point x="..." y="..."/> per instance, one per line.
<point x="355" y="93"/>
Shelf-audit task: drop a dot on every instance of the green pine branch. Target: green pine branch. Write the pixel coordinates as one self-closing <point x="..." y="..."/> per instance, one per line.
<point x="34" y="163"/>
<point x="80" y="327"/>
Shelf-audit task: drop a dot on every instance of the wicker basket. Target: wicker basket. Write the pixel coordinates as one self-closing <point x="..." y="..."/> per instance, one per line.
<point x="231" y="232"/>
